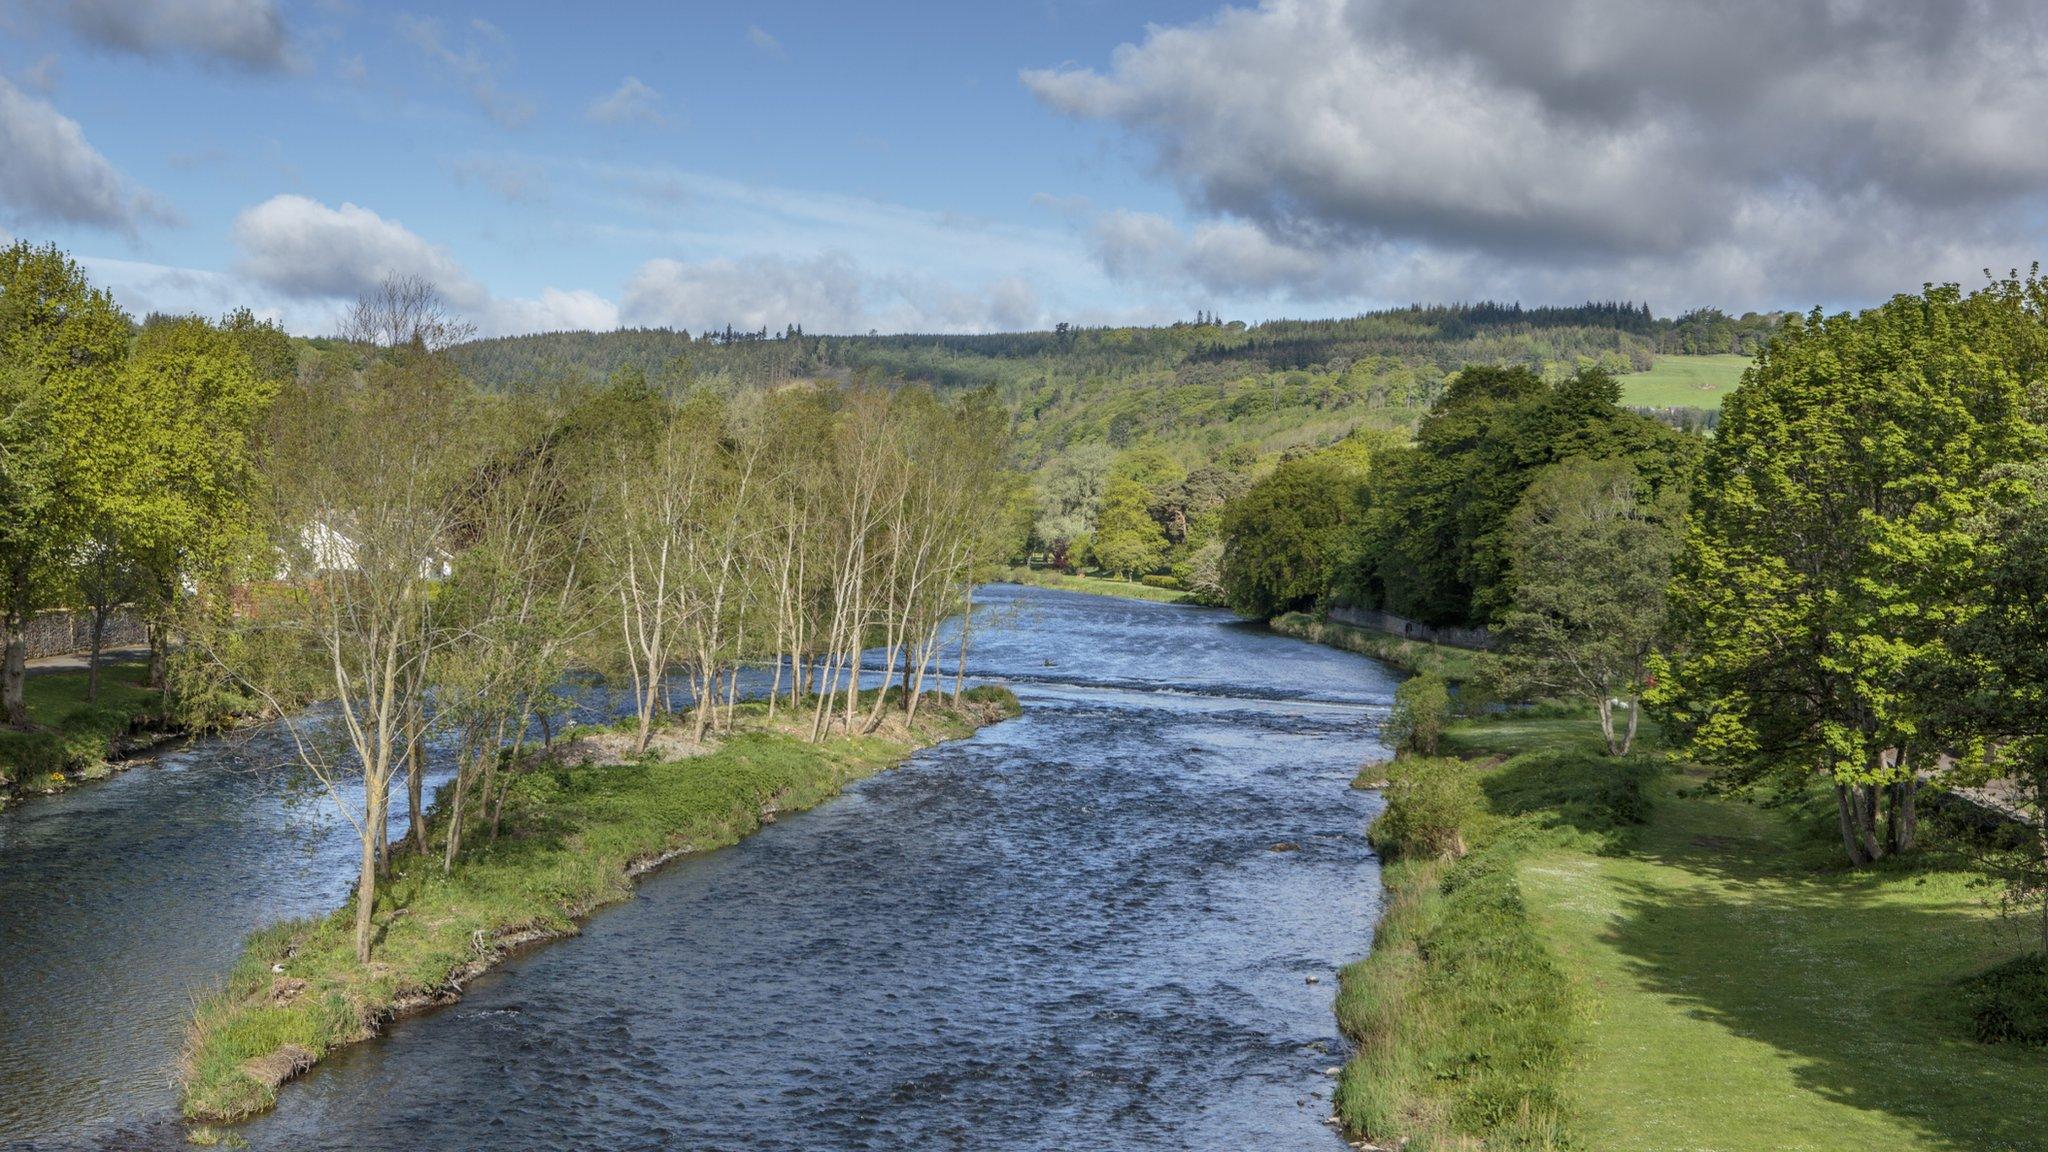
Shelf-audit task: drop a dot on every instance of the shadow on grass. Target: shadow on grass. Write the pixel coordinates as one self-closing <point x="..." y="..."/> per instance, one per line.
<point x="1851" y="974"/>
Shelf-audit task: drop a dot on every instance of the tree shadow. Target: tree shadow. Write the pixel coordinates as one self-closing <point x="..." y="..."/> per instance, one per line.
<point x="1840" y="972"/>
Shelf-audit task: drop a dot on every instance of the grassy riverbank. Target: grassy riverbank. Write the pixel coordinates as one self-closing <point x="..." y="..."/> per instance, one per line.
<point x="1096" y="585"/>
<point x="1622" y="962"/>
<point x="1415" y="656"/>
<point x="71" y="740"/>
<point x="577" y="836"/>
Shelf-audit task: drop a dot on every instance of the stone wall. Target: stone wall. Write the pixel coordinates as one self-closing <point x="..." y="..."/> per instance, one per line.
<point x="1478" y="638"/>
<point x="56" y="633"/>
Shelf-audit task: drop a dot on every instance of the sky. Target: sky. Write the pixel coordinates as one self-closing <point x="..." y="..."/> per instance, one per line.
<point x="978" y="167"/>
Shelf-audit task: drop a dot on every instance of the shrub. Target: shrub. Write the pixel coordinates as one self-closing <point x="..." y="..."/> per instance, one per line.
<point x="1422" y="706"/>
<point x="1169" y="583"/>
<point x="2009" y="1004"/>
<point x="1430" y="804"/>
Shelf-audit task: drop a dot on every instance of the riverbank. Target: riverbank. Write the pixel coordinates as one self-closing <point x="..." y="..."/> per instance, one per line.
<point x="1412" y="656"/>
<point x="578" y="834"/>
<point x="1623" y="961"/>
<point x="1096" y="585"/>
<point x="72" y="741"/>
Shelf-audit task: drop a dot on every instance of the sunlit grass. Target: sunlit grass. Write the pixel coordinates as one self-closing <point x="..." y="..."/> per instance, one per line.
<point x="1684" y="381"/>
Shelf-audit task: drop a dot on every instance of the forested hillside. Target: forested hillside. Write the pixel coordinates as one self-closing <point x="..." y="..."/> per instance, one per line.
<point x="1195" y="388"/>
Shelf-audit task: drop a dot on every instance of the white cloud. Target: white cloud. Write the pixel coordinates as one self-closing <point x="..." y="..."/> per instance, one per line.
<point x="476" y="67"/>
<point x="51" y="175"/>
<point x="826" y="294"/>
<point x="1699" y="150"/>
<point x="555" y="311"/>
<point x="631" y="101"/>
<point x="245" y="34"/>
<point x="301" y="247"/>
<point x="761" y="41"/>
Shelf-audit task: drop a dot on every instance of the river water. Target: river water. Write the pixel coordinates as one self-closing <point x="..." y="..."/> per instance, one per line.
<point x="1094" y="926"/>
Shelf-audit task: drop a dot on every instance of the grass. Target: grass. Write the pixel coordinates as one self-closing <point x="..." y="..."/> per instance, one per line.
<point x="1456" y="665"/>
<point x="71" y="740"/>
<point x="576" y="833"/>
<point x="1097" y="585"/>
<point x="1626" y="962"/>
<point x="1684" y="381"/>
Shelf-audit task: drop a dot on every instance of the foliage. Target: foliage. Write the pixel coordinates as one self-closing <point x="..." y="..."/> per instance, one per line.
<point x="2009" y="1003"/>
<point x="1588" y="564"/>
<point x="1435" y="546"/>
<point x="1126" y="539"/>
<point x="1287" y="536"/>
<point x="1430" y="803"/>
<point x="1830" y="547"/>
<point x="1422" y="707"/>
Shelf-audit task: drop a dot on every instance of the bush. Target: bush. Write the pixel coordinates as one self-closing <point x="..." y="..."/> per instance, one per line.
<point x="1169" y="583"/>
<point x="2009" y="1004"/>
<point x="1430" y="804"/>
<point x="1422" y="706"/>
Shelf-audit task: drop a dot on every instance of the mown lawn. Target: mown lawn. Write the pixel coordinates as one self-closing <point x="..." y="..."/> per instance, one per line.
<point x="1738" y="996"/>
<point x="1684" y="381"/>
<point x="1101" y="586"/>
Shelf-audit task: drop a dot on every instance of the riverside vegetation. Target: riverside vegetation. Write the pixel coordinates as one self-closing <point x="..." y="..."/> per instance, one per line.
<point x="1695" y="895"/>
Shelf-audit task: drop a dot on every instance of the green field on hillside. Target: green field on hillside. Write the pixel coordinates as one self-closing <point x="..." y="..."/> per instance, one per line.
<point x="1684" y="382"/>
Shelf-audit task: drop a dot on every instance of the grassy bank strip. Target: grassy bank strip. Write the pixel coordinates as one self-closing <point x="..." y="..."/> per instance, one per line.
<point x="1453" y="664"/>
<point x="577" y="836"/>
<point x="1464" y="1017"/>
<point x="72" y="741"/>
<point x="1096" y="585"/>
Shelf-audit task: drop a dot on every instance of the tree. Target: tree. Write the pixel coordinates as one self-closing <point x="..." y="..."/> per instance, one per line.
<point x="1589" y="560"/>
<point x="1829" y="546"/>
<point x="1422" y="708"/>
<point x="61" y="343"/>
<point x="1287" y="537"/>
<point x="1996" y="679"/>
<point x="1127" y="540"/>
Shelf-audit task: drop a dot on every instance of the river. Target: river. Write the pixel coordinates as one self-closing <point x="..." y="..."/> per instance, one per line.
<point x="1114" y="922"/>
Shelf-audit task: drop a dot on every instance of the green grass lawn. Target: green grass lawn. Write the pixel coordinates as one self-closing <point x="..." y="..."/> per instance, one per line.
<point x="1684" y="381"/>
<point x="1453" y="664"/>
<point x="1098" y="585"/>
<point x="1729" y="986"/>
<point x="71" y="738"/>
<point x="1738" y="997"/>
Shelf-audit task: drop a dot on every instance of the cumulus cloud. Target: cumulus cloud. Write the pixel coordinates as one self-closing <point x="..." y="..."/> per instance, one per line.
<point x="51" y="175"/>
<point x="301" y="247"/>
<point x="1695" y="149"/>
<point x="320" y="256"/>
<point x="829" y="293"/>
<point x="475" y="66"/>
<point x="244" y="34"/>
<point x="633" y="100"/>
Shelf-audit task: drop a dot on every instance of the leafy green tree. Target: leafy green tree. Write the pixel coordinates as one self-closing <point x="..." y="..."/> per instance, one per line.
<point x="1997" y="680"/>
<point x="1589" y="560"/>
<point x="1830" y="548"/>
<point x="61" y="342"/>
<point x="1435" y="545"/>
<point x="1422" y="709"/>
<point x="1127" y="540"/>
<point x="1286" y="538"/>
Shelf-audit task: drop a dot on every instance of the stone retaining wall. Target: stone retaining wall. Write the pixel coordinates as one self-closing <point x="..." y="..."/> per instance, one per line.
<point x="1477" y="638"/>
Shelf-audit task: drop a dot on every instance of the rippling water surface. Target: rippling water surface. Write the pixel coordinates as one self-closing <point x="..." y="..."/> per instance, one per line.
<point x="1072" y="931"/>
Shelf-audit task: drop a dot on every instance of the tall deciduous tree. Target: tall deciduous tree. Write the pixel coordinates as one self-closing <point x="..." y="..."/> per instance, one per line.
<point x="1589" y="558"/>
<point x="61" y="345"/>
<point x="1287" y="537"/>
<point x="1127" y="540"/>
<point x="1829" y="545"/>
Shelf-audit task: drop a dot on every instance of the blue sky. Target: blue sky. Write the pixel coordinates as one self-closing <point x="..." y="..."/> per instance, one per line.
<point x="968" y="167"/>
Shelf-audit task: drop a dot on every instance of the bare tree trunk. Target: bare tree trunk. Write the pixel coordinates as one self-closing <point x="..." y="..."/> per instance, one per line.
<point x="14" y="675"/>
<point x="415" y="777"/>
<point x="366" y="880"/>
<point x="1866" y="821"/>
<point x="1635" y="711"/>
<point x="1606" y="708"/>
<point x="966" y="623"/>
<point x="92" y="656"/>
<point x="1845" y="812"/>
